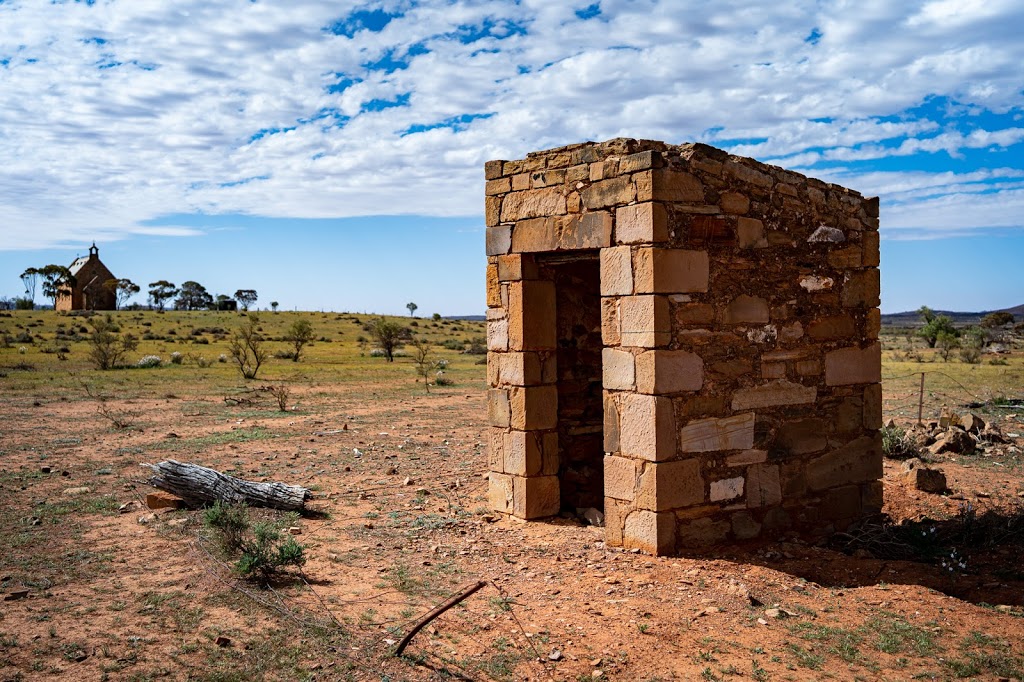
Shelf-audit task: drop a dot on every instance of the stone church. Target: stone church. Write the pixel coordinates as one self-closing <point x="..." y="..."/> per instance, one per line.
<point x="89" y="290"/>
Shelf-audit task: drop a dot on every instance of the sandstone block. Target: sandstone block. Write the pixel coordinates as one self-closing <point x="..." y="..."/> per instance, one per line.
<point x="646" y="427"/>
<point x="535" y="497"/>
<point x="873" y="406"/>
<point x="645" y="223"/>
<point x="670" y="485"/>
<point x="532" y="315"/>
<point x="497" y="334"/>
<point x="610" y="333"/>
<point x="861" y="289"/>
<point x="615" y="513"/>
<point x="611" y="424"/>
<point x="832" y="327"/>
<point x="726" y="489"/>
<point x="496" y="449"/>
<point x="734" y="203"/>
<point x="872" y="323"/>
<point x="644" y="321"/>
<point x="857" y="461"/>
<point x="695" y="313"/>
<point x="516" y="266"/>
<point x="492" y="211"/>
<point x="651" y="532"/>
<point x="500" y="492"/>
<point x="747" y="310"/>
<point x="524" y="369"/>
<point x="869" y="242"/>
<point x="492" y="169"/>
<point x="773" y="370"/>
<point x="844" y="259"/>
<point x="639" y="161"/>
<point x="669" y="271"/>
<point x="750" y="234"/>
<point x="871" y="497"/>
<point x="841" y="504"/>
<point x="745" y="526"/>
<point x="534" y="235"/>
<point x="620" y="477"/>
<point x="524" y="453"/>
<point x="493" y="287"/>
<point x="498" y="410"/>
<point x="618" y="369"/>
<point x="702" y="532"/>
<point x="803" y="436"/>
<point x="668" y="185"/>
<point x="520" y="182"/>
<point x="499" y="240"/>
<point x="616" y="271"/>
<point x="748" y="175"/>
<point x="726" y="433"/>
<point x="534" y="407"/>
<point x="535" y="203"/>
<point x="498" y="186"/>
<point x="854" y="365"/>
<point x="592" y="231"/>
<point x="746" y="457"/>
<point x="764" y="487"/>
<point x="772" y="394"/>
<point x="668" y="371"/>
<point x="609" y="193"/>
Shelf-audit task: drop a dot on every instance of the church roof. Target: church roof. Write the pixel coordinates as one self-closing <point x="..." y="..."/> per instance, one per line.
<point x="77" y="265"/>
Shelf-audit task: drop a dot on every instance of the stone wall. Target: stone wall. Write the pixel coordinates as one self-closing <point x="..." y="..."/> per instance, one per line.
<point x="739" y="338"/>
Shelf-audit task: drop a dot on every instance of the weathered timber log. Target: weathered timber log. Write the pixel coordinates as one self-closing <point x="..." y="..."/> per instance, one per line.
<point x="199" y="486"/>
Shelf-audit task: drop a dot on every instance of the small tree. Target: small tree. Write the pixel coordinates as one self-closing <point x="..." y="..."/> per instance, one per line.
<point x="390" y="336"/>
<point x="57" y="281"/>
<point x="926" y="313"/>
<point x="160" y="292"/>
<point x="274" y="304"/>
<point x="107" y="346"/>
<point x="412" y="308"/>
<point x="299" y="334"/>
<point x="193" y="296"/>
<point x="935" y="326"/>
<point x="247" y="347"/>
<point x="29" y="278"/>
<point x="123" y="290"/>
<point x="246" y="297"/>
<point x="997" y="319"/>
<point x="946" y="343"/>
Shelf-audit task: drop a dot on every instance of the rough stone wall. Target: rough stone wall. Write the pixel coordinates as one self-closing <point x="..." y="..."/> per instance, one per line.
<point x="741" y="365"/>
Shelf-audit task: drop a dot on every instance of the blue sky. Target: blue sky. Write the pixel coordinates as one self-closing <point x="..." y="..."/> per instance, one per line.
<point x="329" y="155"/>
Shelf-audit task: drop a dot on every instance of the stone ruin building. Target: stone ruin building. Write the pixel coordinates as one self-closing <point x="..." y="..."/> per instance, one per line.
<point x="89" y="290"/>
<point x="684" y="339"/>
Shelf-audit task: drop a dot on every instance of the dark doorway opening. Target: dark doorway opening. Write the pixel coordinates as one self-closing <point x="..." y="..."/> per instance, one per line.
<point x="577" y="281"/>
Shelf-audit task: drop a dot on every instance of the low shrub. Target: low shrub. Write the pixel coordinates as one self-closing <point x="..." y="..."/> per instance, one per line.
<point x="898" y="444"/>
<point x="149" y="361"/>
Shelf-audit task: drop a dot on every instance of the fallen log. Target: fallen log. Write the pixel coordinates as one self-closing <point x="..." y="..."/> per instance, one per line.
<point x="437" y="611"/>
<point x="200" y="486"/>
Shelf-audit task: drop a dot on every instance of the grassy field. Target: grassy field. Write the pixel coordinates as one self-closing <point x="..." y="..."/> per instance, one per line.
<point x="101" y="588"/>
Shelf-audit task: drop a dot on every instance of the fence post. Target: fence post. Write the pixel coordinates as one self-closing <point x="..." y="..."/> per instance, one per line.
<point x="920" y="402"/>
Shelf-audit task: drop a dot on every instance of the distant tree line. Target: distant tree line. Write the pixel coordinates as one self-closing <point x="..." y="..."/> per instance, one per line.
<point x="54" y="281"/>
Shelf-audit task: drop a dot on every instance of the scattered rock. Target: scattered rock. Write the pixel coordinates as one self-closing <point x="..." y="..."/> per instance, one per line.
<point x="956" y="441"/>
<point x="824" y="233"/>
<point x="177" y="522"/>
<point x="127" y="507"/>
<point x="407" y="481"/>
<point x="45" y="470"/>
<point x="555" y="655"/>
<point x="295" y="530"/>
<point x="923" y="478"/>
<point x="16" y="595"/>
<point x="164" y="500"/>
<point x="593" y="516"/>
<point x="891" y="424"/>
<point x="222" y="641"/>
<point x="147" y="518"/>
<point x="81" y="490"/>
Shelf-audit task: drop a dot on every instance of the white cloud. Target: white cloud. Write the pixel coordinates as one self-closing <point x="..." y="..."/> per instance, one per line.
<point x="123" y="111"/>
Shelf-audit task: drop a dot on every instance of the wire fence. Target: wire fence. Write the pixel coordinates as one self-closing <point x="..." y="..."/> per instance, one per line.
<point x="924" y="396"/>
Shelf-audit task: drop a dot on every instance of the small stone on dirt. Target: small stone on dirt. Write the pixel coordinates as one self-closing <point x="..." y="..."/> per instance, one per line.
<point x="222" y="641"/>
<point x="956" y="441"/>
<point x="555" y="655"/>
<point x="923" y="478"/>
<point x="295" y="530"/>
<point x="81" y="490"/>
<point x="164" y="500"/>
<point x="16" y="595"/>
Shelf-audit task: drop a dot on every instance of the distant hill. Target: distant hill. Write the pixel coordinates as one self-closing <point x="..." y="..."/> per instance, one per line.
<point x="910" y="318"/>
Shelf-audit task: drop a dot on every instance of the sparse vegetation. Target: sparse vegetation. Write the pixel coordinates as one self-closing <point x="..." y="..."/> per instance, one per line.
<point x="248" y="348"/>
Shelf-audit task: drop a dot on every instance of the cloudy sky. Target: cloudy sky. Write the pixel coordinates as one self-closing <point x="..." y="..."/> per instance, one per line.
<point x="329" y="154"/>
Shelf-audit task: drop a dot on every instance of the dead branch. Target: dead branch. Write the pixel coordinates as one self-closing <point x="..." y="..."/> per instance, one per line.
<point x="437" y="611"/>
